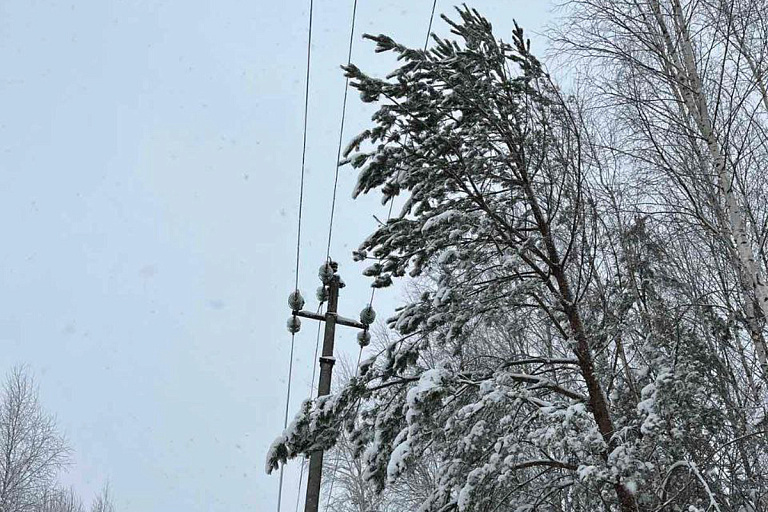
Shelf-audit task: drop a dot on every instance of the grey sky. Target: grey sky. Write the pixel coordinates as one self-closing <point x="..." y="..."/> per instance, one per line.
<point x="149" y="159"/>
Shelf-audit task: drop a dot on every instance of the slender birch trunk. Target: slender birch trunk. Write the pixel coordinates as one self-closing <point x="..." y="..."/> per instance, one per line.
<point x="689" y="85"/>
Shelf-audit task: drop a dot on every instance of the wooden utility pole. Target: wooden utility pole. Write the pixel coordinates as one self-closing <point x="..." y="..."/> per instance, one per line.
<point x="327" y="361"/>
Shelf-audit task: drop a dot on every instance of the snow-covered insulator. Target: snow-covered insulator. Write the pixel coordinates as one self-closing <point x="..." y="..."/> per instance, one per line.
<point x="322" y="294"/>
<point x="293" y="324"/>
<point x="295" y="300"/>
<point x="364" y="338"/>
<point x="367" y="315"/>
<point x="326" y="273"/>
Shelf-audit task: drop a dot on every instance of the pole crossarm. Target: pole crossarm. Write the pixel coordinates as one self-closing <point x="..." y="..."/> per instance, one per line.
<point x="339" y="319"/>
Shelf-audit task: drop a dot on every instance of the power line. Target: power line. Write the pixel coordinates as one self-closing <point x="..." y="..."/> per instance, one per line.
<point x="429" y="28"/>
<point x="301" y="477"/>
<point x="333" y="207"/>
<point x="304" y="145"/>
<point x="341" y="130"/>
<point x="298" y="237"/>
<point x="311" y="387"/>
<point x="285" y="422"/>
<point x="391" y="204"/>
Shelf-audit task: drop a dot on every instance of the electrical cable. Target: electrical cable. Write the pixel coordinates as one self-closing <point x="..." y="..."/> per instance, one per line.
<point x="311" y="389"/>
<point x="298" y="237"/>
<point x="341" y="131"/>
<point x="389" y="214"/>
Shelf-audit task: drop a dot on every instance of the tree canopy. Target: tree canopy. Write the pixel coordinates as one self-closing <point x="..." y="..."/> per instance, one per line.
<point x="571" y="348"/>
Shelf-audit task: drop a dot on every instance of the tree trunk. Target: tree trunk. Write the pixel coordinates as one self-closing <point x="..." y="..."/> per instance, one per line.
<point x="596" y="397"/>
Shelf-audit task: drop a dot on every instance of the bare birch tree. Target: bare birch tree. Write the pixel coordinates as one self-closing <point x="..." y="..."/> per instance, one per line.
<point x="103" y="502"/>
<point x="31" y="449"/>
<point x="686" y="82"/>
<point x="60" y="500"/>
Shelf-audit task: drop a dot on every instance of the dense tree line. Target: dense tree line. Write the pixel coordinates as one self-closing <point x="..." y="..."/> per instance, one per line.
<point x="590" y="328"/>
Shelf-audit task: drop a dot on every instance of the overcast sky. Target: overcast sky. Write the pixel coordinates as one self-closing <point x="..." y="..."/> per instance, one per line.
<point x="149" y="163"/>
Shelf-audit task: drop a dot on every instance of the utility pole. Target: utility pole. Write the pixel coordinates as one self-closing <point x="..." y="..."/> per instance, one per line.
<point x="332" y="283"/>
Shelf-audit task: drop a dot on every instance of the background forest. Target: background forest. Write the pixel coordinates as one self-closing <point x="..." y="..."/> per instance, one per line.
<point x="34" y="453"/>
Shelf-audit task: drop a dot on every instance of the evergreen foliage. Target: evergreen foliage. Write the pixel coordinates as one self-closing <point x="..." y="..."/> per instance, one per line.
<point x="563" y="354"/>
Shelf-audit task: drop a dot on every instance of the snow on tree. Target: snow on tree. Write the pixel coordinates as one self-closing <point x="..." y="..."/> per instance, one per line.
<point x="555" y="360"/>
<point x="684" y="87"/>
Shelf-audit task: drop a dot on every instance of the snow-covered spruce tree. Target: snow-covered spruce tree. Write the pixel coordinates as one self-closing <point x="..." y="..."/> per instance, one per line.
<point x="683" y="86"/>
<point x="486" y="147"/>
<point x="680" y="370"/>
<point x="552" y="364"/>
<point x="346" y="488"/>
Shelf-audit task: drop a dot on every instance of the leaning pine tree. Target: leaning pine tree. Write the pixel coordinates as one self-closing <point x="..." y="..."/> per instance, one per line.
<point x="509" y="371"/>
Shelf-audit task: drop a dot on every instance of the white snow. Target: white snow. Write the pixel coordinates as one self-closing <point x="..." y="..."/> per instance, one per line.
<point x="446" y="217"/>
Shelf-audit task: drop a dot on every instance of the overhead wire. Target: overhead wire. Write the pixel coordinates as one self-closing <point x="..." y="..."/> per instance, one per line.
<point x="311" y="389"/>
<point x="389" y="213"/>
<point x="331" y="219"/>
<point x="341" y="131"/>
<point x="304" y="145"/>
<point x="298" y="236"/>
<point x="285" y="421"/>
<point x="301" y="477"/>
<point x="333" y="203"/>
